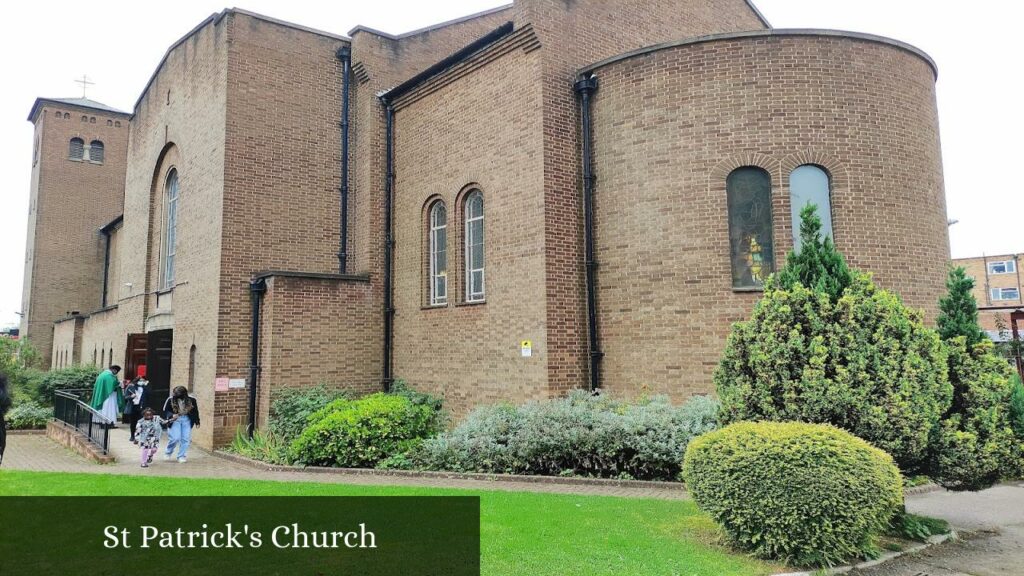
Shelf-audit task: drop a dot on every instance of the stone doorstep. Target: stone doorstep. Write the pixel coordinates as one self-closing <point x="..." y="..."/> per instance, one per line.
<point x="71" y="439"/>
<point x="567" y="481"/>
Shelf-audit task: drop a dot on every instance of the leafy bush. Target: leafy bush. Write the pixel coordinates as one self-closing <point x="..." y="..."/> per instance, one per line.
<point x="1017" y="407"/>
<point x="361" y="433"/>
<point x="28" y="416"/>
<point x="71" y="378"/>
<point x="290" y="409"/>
<point x="818" y="266"/>
<point x="913" y="527"/>
<point x="807" y="494"/>
<point x="975" y="445"/>
<point x="582" y="434"/>
<point x="265" y="447"/>
<point x="864" y="363"/>
<point x="436" y="404"/>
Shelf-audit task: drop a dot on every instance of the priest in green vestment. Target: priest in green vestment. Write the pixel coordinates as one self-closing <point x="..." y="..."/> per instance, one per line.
<point x="106" y="394"/>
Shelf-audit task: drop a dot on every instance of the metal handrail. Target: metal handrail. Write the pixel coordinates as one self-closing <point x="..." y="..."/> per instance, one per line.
<point x="69" y="408"/>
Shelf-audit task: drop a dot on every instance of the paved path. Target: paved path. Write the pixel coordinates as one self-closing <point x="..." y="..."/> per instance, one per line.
<point x="991" y="523"/>
<point x="37" y="452"/>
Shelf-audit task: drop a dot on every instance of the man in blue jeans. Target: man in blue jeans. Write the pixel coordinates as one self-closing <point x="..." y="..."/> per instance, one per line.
<point x="182" y="411"/>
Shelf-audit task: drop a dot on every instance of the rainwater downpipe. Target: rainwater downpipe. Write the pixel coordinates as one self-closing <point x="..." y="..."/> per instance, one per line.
<point x="389" y="238"/>
<point x="345" y="55"/>
<point x="585" y="88"/>
<point x="106" y="269"/>
<point x="257" y="288"/>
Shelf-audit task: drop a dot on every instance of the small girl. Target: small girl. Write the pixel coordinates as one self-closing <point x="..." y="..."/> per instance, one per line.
<point x="147" y="434"/>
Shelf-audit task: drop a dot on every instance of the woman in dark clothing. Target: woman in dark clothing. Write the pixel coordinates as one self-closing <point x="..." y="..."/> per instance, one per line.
<point x="134" y="402"/>
<point x="5" y="404"/>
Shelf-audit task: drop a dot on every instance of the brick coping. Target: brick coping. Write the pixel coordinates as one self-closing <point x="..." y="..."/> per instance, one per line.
<point x="510" y="478"/>
<point x="26" y="432"/>
<point x="486" y="477"/>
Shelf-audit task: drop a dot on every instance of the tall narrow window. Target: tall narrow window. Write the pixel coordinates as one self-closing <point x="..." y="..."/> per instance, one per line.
<point x="96" y="151"/>
<point x="475" y="246"/>
<point x="749" y="192"/>
<point x="76" y="149"/>
<point x="809" y="184"/>
<point x="438" y="254"/>
<point x="170" y="228"/>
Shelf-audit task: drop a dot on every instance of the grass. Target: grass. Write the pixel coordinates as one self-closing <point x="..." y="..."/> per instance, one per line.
<point x="521" y="533"/>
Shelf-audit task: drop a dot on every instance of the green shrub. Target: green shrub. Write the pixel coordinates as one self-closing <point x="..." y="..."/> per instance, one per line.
<point x="811" y="495"/>
<point x="290" y="409"/>
<point x="1017" y="407"/>
<point x="263" y="446"/>
<point x="818" y="265"/>
<point x="361" y="433"/>
<point x="71" y="378"/>
<point x="864" y="363"/>
<point x="582" y="434"/>
<point x="28" y="415"/>
<point x="436" y="404"/>
<point x="913" y="527"/>
<point x="975" y="445"/>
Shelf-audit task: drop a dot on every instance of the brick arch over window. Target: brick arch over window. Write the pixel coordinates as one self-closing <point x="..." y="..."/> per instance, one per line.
<point x="427" y="237"/>
<point x="840" y="197"/>
<point x="476" y="293"/>
<point x="168" y="160"/>
<point x="717" y="185"/>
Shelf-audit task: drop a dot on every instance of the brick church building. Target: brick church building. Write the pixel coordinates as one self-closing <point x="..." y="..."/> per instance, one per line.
<point x="542" y="197"/>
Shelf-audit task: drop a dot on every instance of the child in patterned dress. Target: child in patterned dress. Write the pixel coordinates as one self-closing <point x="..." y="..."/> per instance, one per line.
<point x="147" y="433"/>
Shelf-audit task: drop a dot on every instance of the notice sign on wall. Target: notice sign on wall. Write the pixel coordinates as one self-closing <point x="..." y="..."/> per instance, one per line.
<point x="220" y="385"/>
<point x="236" y="383"/>
<point x="526" y="348"/>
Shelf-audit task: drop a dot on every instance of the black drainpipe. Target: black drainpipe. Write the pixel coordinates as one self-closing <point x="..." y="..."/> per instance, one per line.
<point x="345" y="55"/>
<point x="257" y="288"/>
<point x="106" y="270"/>
<point x="586" y="87"/>
<point x="389" y="238"/>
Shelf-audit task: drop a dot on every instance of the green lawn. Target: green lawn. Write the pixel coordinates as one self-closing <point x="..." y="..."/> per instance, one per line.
<point x="521" y="533"/>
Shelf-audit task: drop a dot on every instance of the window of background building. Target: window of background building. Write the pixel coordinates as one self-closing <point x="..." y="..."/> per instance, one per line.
<point x="438" y="254"/>
<point x="749" y="195"/>
<point x="1005" y="294"/>
<point x="170" y="229"/>
<point x="1002" y="267"/>
<point x="475" y="247"/>
<point x="809" y="184"/>
<point x="76" y="149"/>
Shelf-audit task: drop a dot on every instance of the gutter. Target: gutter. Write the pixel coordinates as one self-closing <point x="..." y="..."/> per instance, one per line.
<point x="345" y="55"/>
<point x="257" y="288"/>
<point x="585" y="88"/>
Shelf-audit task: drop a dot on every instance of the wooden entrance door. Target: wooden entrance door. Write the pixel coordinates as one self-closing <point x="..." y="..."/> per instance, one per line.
<point x="158" y="367"/>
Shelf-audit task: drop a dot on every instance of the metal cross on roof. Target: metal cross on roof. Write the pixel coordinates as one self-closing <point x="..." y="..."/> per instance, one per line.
<point x="85" y="83"/>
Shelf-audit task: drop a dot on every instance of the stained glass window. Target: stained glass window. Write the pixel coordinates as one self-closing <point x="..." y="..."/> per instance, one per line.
<point x="749" y="192"/>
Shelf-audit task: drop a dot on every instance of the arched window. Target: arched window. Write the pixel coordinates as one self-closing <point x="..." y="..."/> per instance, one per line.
<point x="67" y="116"/>
<point x="438" y="254"/>
<point x="117" y="124"/>
<point x="76" y="149"/>
<point x="85" y="118"/>
<point x="96" y="151"/>
<point x="749" y="191"/>
<point x="475" y="246"/>
<point x="110" y="122"/>
<point x="58" y="114"/>
<point x="170" y="229"/>
<point x="192" y="368"/>
<point x="809" y="184"/>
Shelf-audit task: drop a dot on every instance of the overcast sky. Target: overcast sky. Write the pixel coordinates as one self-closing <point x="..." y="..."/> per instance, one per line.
<point x="119" y="43"/>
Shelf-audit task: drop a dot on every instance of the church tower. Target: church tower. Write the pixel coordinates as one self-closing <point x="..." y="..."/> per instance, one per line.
<point x="77" y="188"/>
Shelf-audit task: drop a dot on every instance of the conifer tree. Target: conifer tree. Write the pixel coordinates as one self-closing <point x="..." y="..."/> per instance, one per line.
<point x="818" y="266"/>
<point x="958" y="310"/>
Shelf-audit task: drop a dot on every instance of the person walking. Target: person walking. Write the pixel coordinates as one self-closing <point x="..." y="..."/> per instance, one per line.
<point x="182" y="411"/>
<point x="134" y="403"/>
<point x="106" y="395"/>
<point x="148" y="433"/>
<point x="5" y="405"/>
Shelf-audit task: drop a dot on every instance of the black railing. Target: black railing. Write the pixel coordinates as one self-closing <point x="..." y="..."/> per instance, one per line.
<point x="69" y="407"/>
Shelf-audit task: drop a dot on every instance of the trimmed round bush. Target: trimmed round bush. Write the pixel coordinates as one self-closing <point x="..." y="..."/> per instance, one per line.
<point x="807" y="494"/>
<point x="361" y="433"/>
<point x="864" y="363"/>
